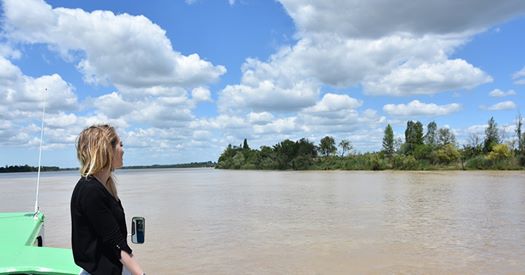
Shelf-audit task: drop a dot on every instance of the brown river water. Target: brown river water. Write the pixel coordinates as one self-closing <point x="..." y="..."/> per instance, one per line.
<point x="206" y="221"/>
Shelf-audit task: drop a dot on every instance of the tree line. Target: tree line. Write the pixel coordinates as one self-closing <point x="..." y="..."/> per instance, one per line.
<point x="435" y="148"/>
<point x="203" y="164"/>
<point x="26" y="168"/>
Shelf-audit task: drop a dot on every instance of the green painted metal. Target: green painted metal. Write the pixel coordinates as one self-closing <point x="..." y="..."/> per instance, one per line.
<point x="18" y="255"/>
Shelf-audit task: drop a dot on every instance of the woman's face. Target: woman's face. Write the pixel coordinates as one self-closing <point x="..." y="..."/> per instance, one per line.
<point x="117" y="157"/>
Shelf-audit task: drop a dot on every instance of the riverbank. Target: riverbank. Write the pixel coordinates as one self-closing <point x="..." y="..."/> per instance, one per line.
<point x="27" y="168"/>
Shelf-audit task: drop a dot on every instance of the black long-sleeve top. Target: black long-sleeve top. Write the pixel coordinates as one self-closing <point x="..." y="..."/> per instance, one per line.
<point x="98" y="228"/>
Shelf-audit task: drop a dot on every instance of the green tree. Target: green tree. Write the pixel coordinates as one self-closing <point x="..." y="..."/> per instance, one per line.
<point x="519" y="135"/>
<point x="225" y="159"/>
<point x="431" y="135"/>
<point x="346" y="146"/>
<point x="327" y="146"/>
<point x="491" y="136"/>
<point x="413" y="136"/>
<point x="418" y="135"/>
<point x="474" y="146"/>
<point x="306" y="148"/>
<point x="398" y="144"/>
<point x="285" y="152"/>
<point x="245" y="145"/>
<point x="388" y="141"/>
<point x="445" y="136"/>
<point x="267" y="158"/>
<point x="422" y="151"/>
<point x="238" y="160"/>
<point x="306" y="151"/>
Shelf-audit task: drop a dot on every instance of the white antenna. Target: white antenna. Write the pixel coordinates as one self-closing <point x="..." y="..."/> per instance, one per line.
<point x="40" y="151"/>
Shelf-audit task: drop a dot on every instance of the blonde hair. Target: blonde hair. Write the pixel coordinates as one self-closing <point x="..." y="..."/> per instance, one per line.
<point x="96" y="146"/>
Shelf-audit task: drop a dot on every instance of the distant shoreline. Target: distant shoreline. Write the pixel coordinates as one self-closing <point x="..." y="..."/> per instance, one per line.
<point x="27" y="168"/>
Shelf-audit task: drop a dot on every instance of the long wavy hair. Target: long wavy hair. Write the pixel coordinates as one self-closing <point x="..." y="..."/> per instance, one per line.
<point x="96" y="146"/>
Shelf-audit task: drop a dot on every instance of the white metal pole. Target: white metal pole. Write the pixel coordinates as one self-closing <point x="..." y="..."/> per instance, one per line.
<point x="40" y="151"/>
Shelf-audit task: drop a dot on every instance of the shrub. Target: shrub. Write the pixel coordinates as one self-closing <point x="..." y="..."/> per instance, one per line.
<point x="375" y="163"/>
<point x="422" y="151"/>
<point x="521" y="159"/>
<point x="500" y="152"/>
<point x="478" y="162"/>
<point x="403" y="162"/>
<point x="447" y="154"/>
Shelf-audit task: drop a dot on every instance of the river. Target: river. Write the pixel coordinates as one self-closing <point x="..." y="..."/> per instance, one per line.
<point x="206" y="221"/>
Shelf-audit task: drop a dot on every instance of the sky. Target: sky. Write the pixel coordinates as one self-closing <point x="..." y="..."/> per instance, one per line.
<point x="180" y="80"/>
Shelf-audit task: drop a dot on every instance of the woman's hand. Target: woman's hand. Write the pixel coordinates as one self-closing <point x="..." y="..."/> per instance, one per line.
<point x="129" y="262"/>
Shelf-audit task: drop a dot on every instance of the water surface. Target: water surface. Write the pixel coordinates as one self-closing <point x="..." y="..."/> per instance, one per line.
<point x="206" y="221"/>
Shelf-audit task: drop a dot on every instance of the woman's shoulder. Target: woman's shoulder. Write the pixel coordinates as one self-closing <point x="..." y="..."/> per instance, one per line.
<point x="89" y="185"/>
<point x="87" y="182"/>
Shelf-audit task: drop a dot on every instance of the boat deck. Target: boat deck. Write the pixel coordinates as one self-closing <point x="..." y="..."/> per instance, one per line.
<point x="18" y="229"/>
<point x="18" y="232"/>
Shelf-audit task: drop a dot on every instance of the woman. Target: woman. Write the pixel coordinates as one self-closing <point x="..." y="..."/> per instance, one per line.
<point x="98" y="223"/>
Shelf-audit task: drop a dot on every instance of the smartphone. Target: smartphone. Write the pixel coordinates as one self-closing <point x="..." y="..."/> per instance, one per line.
<point x="138" y="230"/>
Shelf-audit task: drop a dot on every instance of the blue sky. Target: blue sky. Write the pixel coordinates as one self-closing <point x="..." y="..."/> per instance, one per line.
<point x="183" y="79"/>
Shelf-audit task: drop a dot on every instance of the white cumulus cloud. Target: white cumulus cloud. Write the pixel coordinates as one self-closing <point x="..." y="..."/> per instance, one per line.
<point x="260" y="118"/>
<point x="500" y="93"/>
<point x="267" y="96"/>
<point x="519" y="76"/>
<point x="61" y="120"/>
<point x="334" y="102"/>
<point x="124" y="50"/>
<point x="113" y="105"/>
<point x="428" y="79"/>
<point x="278" y="126"/>
<point x="377" y="18"/>
<point x="21" y="93"/>
<point x="375" y="44"/>
<point x="417" y="108"/>
<point x="505" y="105"/>
<point x="201" y="94"/>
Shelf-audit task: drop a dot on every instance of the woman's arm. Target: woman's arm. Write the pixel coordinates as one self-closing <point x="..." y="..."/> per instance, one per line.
<point x="130" y="263"/>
